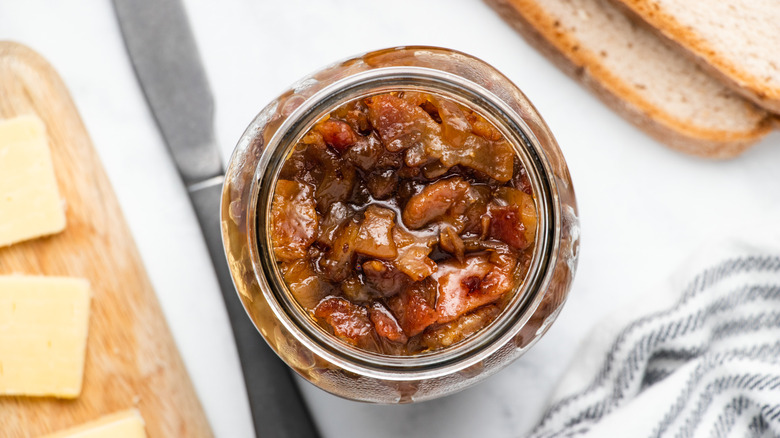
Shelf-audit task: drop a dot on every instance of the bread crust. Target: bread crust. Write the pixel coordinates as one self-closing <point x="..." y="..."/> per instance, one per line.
<point x="539" y="29"/>
<point x="698" y="49"/>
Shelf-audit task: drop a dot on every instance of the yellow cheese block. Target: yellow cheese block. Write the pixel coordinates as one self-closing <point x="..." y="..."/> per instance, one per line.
<point x="30" y="204"/>
<point x="43" y="335"/>
<point x="125" y="424"/>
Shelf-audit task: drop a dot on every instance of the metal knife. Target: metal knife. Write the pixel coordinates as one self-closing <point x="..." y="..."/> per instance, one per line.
<point x="166" y="61"/>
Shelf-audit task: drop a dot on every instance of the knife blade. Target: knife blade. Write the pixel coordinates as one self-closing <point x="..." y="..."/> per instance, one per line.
<point x="167" y="64"/>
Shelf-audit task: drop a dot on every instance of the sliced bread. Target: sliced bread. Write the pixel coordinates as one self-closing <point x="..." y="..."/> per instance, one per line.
<point x="736" y="40"/>
<point x="632" y="70"/>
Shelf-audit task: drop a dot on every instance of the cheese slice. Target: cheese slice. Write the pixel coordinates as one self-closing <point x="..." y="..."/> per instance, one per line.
<point x="30" y="204"/>
<point x="125" y="424"/>
<point x="43" y="335"/>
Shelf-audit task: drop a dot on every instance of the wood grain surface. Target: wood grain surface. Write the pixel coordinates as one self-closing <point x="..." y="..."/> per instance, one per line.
<point x="131" y="360"/>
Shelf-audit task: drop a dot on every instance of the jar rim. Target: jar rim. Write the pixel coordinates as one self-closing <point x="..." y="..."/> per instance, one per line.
<point x="527" y="295"/>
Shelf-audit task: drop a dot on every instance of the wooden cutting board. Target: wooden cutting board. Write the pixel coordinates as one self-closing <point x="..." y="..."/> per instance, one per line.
<point x="131" y="360"/>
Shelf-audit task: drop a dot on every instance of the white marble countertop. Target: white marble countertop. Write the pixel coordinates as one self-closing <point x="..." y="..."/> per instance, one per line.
<point x="644" y="208"/>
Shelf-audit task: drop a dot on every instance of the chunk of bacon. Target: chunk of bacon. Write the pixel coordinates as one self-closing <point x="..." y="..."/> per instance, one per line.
<point x="375" y="237"/>
<point x="526" y="208"/>
<point x="436" y="200"/>
<point x="349" y="321"/>
<point x="414" y="307"/>
<point x="385" y="323"/>
<point x="506" y="225"/>
<point x="500" y="279"/>
<point x="294" y="220"/>
<point x="337" y="134"/>
<point x="399" y="123"/>
<point x="479" y="280"/>
<point x="354" y="113"/>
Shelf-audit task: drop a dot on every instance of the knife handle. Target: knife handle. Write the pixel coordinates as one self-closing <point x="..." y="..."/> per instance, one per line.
<point x="278" y="410"/>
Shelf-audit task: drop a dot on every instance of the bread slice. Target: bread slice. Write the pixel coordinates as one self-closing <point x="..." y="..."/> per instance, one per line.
<point x="637" y="74"/>
<point x="736" y="40"/>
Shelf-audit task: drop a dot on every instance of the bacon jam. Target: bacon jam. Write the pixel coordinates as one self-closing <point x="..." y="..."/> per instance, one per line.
<point x="403" y="222"/>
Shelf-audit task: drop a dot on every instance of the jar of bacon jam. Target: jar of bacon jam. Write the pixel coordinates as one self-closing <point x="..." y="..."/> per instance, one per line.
<point x="400" y="225"/>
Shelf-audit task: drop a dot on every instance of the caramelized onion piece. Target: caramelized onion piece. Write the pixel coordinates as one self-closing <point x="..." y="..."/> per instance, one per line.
<point x="305" y="285"/>
<point x="452" y="243"/>
<point x="338" y="177"/>
<point x="455" y="126"/>
<point x="434" y="201"/>
<point x="413" y="251"/>
<point x="383" y="184"/>
<point x="355" y="290"/>
<point x="483" y="128"/>
<point x="375" y="237"/>
<point x="520" y="179"/>
<point x="478" y="244"/>
<point x="354" y="113"/>
<point x="365" y="153"/>
<point x="477" y="207"/>
<point x="492" y="158"/>
<point x="434" y="170"/>
<point x="337" y="263"/>
<point x="384" y="277"/>
<point x="459" y="329"/>
<point x="349" y="321"/>
<point x="419" y="98"/>
<point x="333" y="220"/>
<point x="385" y="323"/>
<point x="293" y="220"/>
<point x="414" y="307"/>
<point x="358" y="120"/>
<point x="295" y="167"/>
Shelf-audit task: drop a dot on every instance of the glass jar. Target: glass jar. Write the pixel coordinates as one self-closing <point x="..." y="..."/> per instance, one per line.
<point x="320" y="357"/>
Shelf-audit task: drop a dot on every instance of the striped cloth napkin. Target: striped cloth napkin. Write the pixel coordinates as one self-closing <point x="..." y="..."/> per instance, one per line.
<point x="698" y="357"/>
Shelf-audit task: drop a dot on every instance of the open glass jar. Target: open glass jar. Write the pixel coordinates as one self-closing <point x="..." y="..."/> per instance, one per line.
<point x="317" y="355"/>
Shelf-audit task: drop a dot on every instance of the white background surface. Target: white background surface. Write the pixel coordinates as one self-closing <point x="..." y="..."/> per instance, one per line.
<point x="643" y="208"/>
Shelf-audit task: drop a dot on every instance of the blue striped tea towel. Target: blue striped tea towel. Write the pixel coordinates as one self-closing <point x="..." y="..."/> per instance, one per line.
<point x="698" y="357"/>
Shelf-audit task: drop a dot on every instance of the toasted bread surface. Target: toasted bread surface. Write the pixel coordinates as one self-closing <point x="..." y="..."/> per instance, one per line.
<point x="637" y="74"/>
<point x="738" y="41"/>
